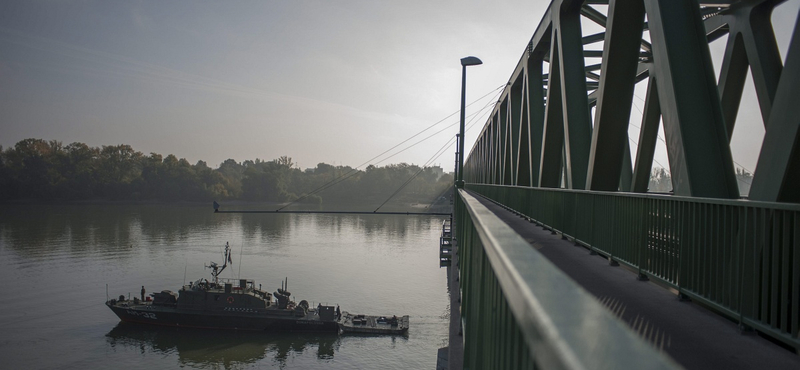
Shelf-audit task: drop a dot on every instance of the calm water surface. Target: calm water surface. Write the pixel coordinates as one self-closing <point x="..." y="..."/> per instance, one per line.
<point x="57" y="260"/>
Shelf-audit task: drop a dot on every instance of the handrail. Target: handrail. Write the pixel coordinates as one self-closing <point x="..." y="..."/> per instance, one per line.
<point x="520" y="309"/>
<point x="738" y="257"/>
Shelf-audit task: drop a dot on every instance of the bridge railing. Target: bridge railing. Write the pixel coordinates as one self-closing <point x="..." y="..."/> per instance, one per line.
<point x="740" y="257"/>
<point x="522" y="312"/>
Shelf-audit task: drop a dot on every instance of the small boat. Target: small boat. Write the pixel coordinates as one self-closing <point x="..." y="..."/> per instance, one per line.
<point x="364" y="324"/>
<point x="239" y="304"/>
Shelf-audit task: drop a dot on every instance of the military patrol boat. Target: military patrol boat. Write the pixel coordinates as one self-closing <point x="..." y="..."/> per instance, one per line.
<point x="226" y="304"/>
<point x="239" y="304"/>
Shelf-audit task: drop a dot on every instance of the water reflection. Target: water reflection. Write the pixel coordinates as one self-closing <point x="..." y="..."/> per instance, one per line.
<point x="264" y="226"/>
<point x="226" y="349"/>
<point x="374" y="264"/>
<point x="86" y="226"/>
<point x="33" y="230"/>
<point x="374" y="225"/>
<point x="40" y="232"/>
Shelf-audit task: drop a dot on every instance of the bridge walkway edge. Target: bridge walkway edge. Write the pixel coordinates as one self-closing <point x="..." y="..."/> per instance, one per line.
<point x="692" y="335"/>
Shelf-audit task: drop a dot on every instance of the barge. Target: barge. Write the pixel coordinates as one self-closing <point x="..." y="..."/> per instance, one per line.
<point x="364" y="324"/>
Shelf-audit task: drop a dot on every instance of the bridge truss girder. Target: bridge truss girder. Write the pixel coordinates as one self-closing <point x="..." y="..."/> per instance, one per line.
<point x="530" y="142"/>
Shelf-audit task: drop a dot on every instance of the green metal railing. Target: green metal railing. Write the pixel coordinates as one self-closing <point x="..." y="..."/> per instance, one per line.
<point x="739" y="257"/>
<point x="521" y="312"/>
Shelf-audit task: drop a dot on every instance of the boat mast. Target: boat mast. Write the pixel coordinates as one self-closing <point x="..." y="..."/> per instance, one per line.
<point x="216" y="269"/>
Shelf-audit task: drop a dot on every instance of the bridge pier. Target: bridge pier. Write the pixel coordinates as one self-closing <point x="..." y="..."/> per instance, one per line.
<point x="452" y="356"/>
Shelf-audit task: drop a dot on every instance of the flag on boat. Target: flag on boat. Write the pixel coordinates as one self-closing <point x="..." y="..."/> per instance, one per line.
<point x="228" y="253"/>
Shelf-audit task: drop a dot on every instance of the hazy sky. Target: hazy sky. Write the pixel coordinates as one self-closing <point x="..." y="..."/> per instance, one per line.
<point x="319" y="81"/>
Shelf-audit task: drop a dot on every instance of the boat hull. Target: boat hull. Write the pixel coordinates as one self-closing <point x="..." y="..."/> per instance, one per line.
<point x="236" y="320"/>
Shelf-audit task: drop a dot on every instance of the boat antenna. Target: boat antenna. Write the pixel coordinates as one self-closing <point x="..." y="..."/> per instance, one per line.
<point x="216" y="269"/>
<point x="240" y="261"/>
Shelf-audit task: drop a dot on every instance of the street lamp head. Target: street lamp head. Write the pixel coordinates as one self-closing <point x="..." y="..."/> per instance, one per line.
<point x="470" y="61"/>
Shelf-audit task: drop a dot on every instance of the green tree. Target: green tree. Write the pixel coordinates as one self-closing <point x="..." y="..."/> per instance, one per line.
<point x="660" y="180"/>
<point x="80" y="170"/>
<point x="119" y="166"/>
<point x="39" y="169"/>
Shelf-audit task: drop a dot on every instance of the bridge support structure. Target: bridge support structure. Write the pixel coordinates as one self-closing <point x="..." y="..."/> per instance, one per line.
<point x="557" y="149"/>
<point x="568" y="127"/>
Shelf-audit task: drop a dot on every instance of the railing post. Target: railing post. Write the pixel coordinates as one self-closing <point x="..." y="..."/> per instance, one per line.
<point x="641" y="240"/>
<point x="613" y="228"/>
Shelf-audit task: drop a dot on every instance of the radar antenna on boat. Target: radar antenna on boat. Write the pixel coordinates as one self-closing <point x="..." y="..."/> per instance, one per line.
<point x="216" y="269"/>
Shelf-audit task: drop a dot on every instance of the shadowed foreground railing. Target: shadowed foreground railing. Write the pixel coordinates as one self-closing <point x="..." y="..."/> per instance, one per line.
<point x="740" y="257"/>
<point x="522" y="312"/>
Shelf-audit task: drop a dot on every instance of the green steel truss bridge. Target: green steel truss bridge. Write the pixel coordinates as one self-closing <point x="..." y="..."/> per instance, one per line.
<point x="556" y="152"/>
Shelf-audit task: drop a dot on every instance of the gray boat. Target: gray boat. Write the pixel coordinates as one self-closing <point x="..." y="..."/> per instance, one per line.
<point x="365" y="324"/>
<point x="239" y="304"/>
<point x="226" y="304"/>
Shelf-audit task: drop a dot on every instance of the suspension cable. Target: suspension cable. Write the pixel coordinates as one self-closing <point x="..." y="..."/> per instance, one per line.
<point x="354" y="171"/>
<point x="422" y="168"/>
<point x="431" y="160"/>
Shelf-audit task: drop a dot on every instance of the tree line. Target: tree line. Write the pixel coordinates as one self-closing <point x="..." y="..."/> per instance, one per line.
<point x="661" y="181"/>
<point x="36" y="169"/>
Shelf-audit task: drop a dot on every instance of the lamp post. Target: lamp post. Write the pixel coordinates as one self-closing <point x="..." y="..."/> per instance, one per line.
<point x="466" y="61"/>
<point x="458" y="139"/>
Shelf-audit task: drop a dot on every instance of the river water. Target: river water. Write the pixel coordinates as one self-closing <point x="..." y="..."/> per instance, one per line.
<point x="58" y="260"/>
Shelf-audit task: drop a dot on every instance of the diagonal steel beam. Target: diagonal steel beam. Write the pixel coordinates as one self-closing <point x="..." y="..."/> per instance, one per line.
<point x="593" y="38"/>
<point x="648" y="134"/>
<point x="777" y="175"/>
<point x="536" y="114"/>
<point x="697" y="143"/>
<point x="498" y="148"/>
<point x="762" y="53"/>
<point x="524" y="157"/>
<point x="553" y="134"/>
<point x="507" y="178"/>
<point x="599" y="18"/>
<point x="626" y="178"/>
<point x="617" y="79"/>
<point x="515" y="121"/>
<point x="576" y="119"/>
<point x="751" y="42"/>
<point x="732" y="79"/>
